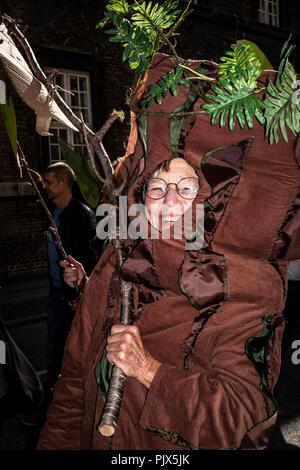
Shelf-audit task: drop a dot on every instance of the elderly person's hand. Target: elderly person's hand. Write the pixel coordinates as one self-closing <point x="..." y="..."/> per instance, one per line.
<point x="73" y="272"/>
<point x="125" y="349"/>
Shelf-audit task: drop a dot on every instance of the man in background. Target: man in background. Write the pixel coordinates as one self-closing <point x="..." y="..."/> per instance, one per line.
<point x="76" y="223"/>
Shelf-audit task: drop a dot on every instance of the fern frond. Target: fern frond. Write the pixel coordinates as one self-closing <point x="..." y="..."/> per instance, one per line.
<point x="168" y="82"/>
<point x="139" y="27"/>
<point x="236" y="96"/>
<point x="240" y="62"/>
<point x="281" y="109"/>
<point x="138" y="50"/>
<point x="138" y="47"/>
<point x="114" y="9"/>
<point x="155" y="17"/>
<point x="234" y="102"/>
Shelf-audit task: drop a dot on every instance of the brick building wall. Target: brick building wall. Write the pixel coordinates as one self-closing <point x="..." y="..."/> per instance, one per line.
<point x="63" y="35"/>
<point x="22" y="222"/>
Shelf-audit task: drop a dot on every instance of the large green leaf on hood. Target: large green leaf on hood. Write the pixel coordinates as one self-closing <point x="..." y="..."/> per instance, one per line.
<point x="282" y="108"/>
<point x="233" y="102"/>
<point x="9" y="119"/>
<point x="265" y="63"/>
<point x="236" y="96"/>
<point x="90" y="187"/>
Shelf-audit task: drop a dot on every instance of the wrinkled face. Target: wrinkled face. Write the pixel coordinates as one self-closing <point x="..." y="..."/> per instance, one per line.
<point x="163" y="212"/>
<point x="53" y="187"/>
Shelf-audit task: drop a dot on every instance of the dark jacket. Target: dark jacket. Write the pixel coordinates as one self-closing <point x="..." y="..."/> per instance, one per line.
<point x="77" y="229"/>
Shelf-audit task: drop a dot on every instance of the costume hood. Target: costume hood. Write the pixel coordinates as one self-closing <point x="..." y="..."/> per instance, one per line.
<point x="251" y="196"/>
<point x="248" y="186"/>
<point x="210" y="315"/>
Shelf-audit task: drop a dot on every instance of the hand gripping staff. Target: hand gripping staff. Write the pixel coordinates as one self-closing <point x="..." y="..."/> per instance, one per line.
<point x="113" y="402"/>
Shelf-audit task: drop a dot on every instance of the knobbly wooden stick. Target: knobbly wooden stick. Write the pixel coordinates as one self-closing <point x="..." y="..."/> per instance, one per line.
<point x="113" y="402"/>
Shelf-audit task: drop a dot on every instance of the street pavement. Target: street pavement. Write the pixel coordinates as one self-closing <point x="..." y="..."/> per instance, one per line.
<point x="23" y="310"/>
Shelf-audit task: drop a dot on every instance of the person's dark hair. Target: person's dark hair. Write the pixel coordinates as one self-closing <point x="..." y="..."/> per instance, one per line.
<point x="62" y="171"/>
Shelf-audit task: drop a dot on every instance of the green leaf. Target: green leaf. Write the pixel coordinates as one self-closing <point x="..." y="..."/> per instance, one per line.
<point x="236" y="96"/>
<point x="240" y="63"/>
<point x="103" y="371"/>
<point x="90" y="187"/>
<point x="281" y="108"/>
<point x="138" y="48"/>
<point x="120" y="6"/>
<point x="138" y="26"/>
<point x="168" y="82"/>
<point x="128" y="50"/>
<point x="286" y="50"/>
<point x="265" y="63"/>
<point x="9" y="119"/>
<point x="234" y="102"/>
<point x="114" y="9"/>
<point x="159" y="16"/>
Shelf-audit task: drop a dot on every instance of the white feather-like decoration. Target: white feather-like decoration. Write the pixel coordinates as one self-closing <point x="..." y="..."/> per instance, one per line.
<point x="31" y="90"/>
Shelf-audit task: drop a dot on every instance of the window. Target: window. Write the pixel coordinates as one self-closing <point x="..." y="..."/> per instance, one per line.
<point x="74" y="87"/>
<point x="269" y="12"/>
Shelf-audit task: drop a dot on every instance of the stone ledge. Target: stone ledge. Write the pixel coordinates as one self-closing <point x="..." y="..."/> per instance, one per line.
<point x="17" y="188"/>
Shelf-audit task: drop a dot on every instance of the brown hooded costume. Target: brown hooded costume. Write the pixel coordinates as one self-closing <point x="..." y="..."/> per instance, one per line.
<point x="211" y="316"/>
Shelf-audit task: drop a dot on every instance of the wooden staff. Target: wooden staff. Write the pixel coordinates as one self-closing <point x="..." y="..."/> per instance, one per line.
<point x="113" y="402"/>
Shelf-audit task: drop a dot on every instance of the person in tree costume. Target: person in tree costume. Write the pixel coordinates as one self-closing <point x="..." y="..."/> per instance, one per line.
<point x="202" y="355"/>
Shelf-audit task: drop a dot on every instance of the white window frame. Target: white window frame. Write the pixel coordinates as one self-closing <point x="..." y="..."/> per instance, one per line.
<point x="74" y="139"/>
<point x="269" y="12"/>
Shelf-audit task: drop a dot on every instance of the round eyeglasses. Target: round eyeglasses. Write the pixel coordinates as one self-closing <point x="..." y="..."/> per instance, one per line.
<point x="157" y="188"/>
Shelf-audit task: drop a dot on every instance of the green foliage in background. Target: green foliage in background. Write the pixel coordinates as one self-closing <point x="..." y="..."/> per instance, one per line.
<point x="234" y="96"/>
<point x="90" y="187"/>
<point x="240" y="63"/>
<point x="282" y="104"/>
<point x="7" y="111"/>
<point x="9" y="119"/>
<point x="140" y="28"/>
<point x="265" y="63"/>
